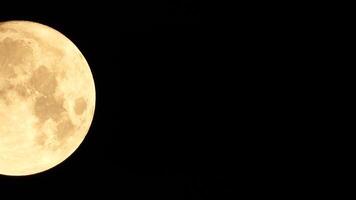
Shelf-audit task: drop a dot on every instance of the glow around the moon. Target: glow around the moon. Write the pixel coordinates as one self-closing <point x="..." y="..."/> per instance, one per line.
<point x="47" y="98"/>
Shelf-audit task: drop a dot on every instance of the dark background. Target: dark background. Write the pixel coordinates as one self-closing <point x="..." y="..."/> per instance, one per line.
<point x="162" y="126"/>
<point x="194" y="101"/>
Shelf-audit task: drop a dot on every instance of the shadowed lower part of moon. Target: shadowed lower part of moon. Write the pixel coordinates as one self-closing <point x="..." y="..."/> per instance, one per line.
<point x="50" y="84"/>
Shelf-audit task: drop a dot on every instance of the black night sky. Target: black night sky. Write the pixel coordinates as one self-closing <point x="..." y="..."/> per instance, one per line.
<point x="157" y="130"/>
<point x="193" y="102"/>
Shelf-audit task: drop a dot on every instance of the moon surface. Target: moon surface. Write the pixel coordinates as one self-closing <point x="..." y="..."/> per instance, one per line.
<point x="47" y="98"/>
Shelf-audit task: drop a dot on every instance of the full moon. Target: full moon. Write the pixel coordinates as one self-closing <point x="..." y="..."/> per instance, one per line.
<point x="47" y="98"/>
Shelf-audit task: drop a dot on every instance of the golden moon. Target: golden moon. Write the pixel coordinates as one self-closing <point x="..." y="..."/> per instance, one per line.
<point x="47" y="98"/>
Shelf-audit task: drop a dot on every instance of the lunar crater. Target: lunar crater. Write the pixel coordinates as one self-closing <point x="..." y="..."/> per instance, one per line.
<point x="80" y="105"/>
<point x="48" y="107"/>
<point x="13" y="53"/>
<point x="43" y="81"/>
